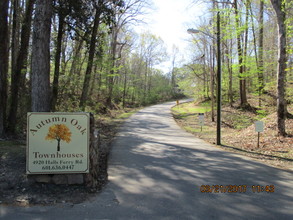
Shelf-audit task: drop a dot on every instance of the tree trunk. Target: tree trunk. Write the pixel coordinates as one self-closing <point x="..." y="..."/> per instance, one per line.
<point x="205" y="81"/>
<point x="173" y="82"/>
<point x="150" y="80"/>
<point x="15" y="33"/>
<point x="113" y="67"/>
<point x="242" y="83"/>
<point x="260" y="52"/>
<point x="57" y="62"/>
<point x="145" y="83"/>
<point x="74" y="70"/>
<point x="87" y="76"/>
<point x="93" y="84"/>
<point x="212" y="69"/>
<point x="281" y="69"/>
<point x="124" y="89"/>
<point x="20" y="67"/>
<point x="230" y="70"/>
<point x="245" y="45"/>
<point x="40" y="78"/>
<point x="3" y="63"/>
<point x="76" y="57"/>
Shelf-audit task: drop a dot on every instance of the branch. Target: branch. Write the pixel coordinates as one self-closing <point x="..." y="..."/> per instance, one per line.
<point x="193" y="70"/>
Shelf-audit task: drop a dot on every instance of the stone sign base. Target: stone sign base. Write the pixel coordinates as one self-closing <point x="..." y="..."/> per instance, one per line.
<point x="68" y="179"/>
<point x="89" y="179"/>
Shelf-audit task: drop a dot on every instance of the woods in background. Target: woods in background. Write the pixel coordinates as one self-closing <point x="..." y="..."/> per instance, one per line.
<point x="256" y="44"/>
<point x="76" y="55"/>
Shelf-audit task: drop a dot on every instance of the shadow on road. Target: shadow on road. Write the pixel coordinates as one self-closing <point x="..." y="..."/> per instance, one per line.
<point x="165" y="167"/>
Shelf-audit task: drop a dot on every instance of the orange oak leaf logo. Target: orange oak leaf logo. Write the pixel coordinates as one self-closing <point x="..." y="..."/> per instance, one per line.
<point x="59" y="132"/>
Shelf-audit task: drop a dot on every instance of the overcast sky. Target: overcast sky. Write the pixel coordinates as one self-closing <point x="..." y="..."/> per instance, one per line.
<point x="171" y="19"/>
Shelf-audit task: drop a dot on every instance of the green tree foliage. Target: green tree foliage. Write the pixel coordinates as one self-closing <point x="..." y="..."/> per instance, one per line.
<point x="94" y="61"/>
<point x="250" y="31"/>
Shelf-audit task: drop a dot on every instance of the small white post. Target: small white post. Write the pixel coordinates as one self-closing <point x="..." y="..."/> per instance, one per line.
<point x="259" y="127"/>
<point x="201" y="120"/>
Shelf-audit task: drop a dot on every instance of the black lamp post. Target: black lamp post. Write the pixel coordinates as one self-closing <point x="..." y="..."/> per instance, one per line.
<point x="219" y="88"/>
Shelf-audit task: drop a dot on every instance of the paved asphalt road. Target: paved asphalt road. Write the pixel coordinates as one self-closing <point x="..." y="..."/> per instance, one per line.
<point x="156" y="171"/>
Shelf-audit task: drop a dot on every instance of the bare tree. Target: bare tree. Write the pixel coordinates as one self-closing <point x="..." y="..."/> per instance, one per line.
<point x="153" y="52"/>
<point x="130" y="13"/>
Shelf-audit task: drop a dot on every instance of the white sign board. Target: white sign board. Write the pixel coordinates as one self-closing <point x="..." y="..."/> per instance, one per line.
<point x="57" y="143"/>
<point x="201" y="119"/>
<point x="259" y="126"/>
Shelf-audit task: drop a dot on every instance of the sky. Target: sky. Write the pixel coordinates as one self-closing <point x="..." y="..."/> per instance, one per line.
<point x="170" y="20"/>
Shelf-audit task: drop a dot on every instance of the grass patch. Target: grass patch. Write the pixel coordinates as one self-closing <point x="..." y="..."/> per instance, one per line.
<point x="197" y="129"/>
<point x="186" y="115"/>
<point x="190" y="108"/>
<point x="125" y="115"/>
<point x="191" y="129"/>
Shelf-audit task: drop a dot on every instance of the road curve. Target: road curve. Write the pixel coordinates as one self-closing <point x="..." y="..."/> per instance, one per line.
<point x="156" y="171"/>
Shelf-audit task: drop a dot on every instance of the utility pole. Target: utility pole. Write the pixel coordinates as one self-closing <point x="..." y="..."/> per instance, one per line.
<point x="219" y="81"/>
